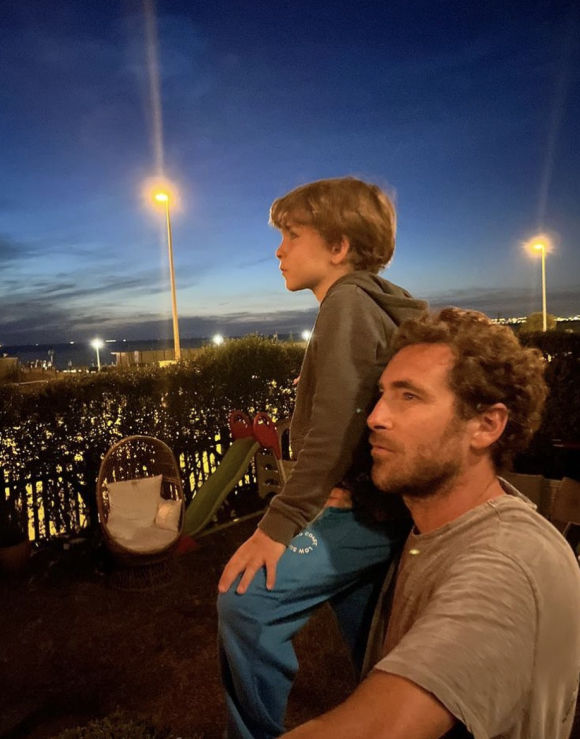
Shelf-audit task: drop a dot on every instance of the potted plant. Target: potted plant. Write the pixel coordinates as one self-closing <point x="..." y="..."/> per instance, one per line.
<point x="15" y="546"/>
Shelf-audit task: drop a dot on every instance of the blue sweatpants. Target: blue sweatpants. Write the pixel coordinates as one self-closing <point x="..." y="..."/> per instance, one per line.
<point x="342" y="558"/>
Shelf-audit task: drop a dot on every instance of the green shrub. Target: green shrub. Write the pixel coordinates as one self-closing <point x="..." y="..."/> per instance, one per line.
<point x="561" y="418"/>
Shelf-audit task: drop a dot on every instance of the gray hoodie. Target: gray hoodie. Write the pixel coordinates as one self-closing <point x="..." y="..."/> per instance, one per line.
<point x="348" y="350"/>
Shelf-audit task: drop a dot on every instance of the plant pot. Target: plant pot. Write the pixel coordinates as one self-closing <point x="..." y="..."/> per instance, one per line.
<point x="13" y="559"/>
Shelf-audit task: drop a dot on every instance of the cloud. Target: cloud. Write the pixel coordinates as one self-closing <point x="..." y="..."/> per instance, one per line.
<point x="508" y="302"/>
<point x="12" y="251"/>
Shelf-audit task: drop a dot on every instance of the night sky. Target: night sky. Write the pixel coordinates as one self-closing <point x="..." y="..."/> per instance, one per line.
<point x="467" y="111"/>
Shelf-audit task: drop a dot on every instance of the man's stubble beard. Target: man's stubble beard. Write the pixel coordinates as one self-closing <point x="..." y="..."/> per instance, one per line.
<point x="427" y="480"/>
<point x="429" y="477"/>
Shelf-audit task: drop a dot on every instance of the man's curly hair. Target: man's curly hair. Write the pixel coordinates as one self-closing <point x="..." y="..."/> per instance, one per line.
<point x="491" y="366"/>
<point x="344" y="207"/>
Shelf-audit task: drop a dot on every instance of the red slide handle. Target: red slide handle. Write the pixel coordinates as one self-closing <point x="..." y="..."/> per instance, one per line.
<point x="266" y="434"/>
<point x="240" y="425"/>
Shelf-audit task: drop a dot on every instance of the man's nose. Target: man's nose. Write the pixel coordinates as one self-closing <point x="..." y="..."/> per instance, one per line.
<point x="380" y="417"/>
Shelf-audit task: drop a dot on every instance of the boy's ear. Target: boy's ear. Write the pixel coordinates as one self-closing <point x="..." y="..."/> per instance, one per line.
<point x="340" y="251"/>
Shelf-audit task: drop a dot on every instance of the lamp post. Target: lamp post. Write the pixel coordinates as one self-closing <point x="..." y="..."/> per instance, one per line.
<point x="541" y="246"/>
<point x="163" y="197"/>
<point x="97" y="344"/>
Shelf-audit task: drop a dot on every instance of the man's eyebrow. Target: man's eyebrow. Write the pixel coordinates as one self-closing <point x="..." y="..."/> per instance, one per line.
<point x="405" y="385"/>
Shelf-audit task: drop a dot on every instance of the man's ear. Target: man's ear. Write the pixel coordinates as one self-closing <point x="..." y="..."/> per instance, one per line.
<point x="488" y="426"/>
<point x="340" y="251"/>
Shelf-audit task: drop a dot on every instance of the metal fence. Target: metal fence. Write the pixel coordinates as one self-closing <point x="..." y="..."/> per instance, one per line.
<point x="63" y="502"/>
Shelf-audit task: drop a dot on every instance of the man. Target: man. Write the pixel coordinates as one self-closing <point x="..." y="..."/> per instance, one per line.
<point x="483" y="638"/>
<point x="315" y="544"/>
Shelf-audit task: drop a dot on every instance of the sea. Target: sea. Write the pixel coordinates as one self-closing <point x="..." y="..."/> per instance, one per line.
<point x="75" y="355"/>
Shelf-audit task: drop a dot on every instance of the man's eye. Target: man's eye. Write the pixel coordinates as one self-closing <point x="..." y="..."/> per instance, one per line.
<point x="409" y="396"/>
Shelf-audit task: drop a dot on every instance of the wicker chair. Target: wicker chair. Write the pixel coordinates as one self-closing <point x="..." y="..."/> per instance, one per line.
<point x="136" y="459"/>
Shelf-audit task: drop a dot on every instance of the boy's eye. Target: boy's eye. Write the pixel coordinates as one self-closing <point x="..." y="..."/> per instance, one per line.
<point x="293" y="234"/>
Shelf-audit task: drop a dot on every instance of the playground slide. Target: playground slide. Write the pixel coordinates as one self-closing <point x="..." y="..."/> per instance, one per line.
<point x="209" y="497"/>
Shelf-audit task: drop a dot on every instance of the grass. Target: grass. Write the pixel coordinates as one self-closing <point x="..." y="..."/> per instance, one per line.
<point x="80" y="660"/>
<point x="73" y="650"/>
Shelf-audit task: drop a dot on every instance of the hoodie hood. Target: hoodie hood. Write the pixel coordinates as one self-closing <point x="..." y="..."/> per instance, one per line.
<point x="393" y="300"/>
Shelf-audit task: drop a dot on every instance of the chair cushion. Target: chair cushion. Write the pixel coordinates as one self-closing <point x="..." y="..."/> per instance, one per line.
<point x="132" y="505"/>
<point x="168" y="514"/>
<point x="149" y="539"/>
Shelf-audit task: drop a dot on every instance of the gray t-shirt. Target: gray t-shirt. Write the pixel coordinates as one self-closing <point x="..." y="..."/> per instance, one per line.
<point x="486" y="617"/>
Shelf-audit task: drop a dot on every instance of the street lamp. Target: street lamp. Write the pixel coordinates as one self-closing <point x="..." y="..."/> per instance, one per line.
<point x="98" y="344"/>
<point x="163" y="197"/>
<point x="541" y="245"/>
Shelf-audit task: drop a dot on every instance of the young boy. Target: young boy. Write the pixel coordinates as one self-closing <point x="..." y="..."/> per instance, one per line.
<point x="318" y="541"/>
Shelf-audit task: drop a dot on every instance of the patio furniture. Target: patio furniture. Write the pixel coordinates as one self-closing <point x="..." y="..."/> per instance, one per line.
<point x="534" y="487"/>
<point x="141" y="504"/>
<point x="566" y="511"/>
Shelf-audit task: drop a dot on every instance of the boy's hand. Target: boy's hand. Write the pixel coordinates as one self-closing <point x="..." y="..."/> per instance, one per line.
<point x="257" y="552"/>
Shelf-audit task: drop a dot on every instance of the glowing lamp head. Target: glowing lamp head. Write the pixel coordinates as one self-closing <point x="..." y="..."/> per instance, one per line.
<point x="218" y="339"/>
<point x="97" y="343"/>
<point x="539" y="246"/>
<point x="306" y="335"/>
<point x="161" y="197"/>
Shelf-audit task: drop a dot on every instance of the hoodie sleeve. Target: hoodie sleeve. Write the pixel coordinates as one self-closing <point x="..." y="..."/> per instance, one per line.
<point x="349" y="348"/>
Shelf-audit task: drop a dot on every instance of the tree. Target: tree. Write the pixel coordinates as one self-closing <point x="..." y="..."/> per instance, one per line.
<point x="535" y="322"/>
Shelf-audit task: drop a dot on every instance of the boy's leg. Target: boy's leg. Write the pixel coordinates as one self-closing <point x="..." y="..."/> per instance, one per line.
<point x="258" y="660"/>
<point x="354" y="611"/>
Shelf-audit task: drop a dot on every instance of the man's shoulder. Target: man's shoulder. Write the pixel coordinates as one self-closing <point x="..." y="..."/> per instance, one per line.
<point x="510" y="531"/>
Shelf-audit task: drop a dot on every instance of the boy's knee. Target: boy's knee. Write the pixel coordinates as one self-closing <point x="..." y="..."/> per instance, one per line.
<point x="228" y="604"/>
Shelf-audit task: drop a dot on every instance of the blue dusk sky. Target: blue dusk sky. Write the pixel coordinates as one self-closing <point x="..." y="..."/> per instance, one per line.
<point x="468" y="111"/>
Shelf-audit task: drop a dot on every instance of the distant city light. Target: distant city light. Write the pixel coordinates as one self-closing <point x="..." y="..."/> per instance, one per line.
<point x="306" y="335"/>
<point x="218" y="339"/>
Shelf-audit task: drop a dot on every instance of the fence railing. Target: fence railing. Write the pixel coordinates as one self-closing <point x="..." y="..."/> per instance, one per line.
<point x="61" y="502"/>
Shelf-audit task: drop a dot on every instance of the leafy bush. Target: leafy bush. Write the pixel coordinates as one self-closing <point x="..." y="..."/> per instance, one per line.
<point x="561" y="418"/>
<point x="54" y="436"/>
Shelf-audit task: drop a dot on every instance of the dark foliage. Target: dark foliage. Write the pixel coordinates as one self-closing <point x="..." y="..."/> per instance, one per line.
<point x="561" y="420"/>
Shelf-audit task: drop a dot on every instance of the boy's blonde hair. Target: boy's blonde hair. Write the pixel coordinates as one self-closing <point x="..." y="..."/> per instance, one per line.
<point x="344" y="207"/>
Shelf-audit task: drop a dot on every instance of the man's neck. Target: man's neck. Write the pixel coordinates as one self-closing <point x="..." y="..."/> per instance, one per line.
<point x="468" y="491"/>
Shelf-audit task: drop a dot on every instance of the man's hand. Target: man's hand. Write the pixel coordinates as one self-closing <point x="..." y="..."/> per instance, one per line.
<point x="257" y="552"/>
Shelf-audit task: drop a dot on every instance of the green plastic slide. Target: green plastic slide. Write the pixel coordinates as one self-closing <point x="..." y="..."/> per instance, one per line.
<point x="213" y="492"/>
